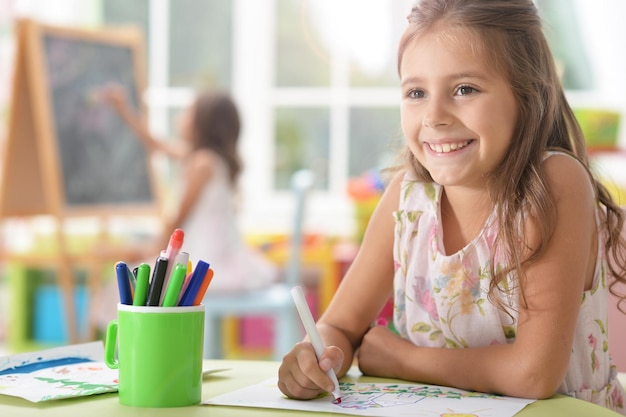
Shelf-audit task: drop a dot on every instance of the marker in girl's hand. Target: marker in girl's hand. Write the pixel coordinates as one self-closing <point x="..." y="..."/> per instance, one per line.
<point x="314" y="336"/>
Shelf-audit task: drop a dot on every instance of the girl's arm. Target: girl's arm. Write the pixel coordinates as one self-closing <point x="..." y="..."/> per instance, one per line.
<point x="198" y="171"/>
<point x="535" y="364"/>
<point x="117" y="97"/>
<point x="361" y="295"/>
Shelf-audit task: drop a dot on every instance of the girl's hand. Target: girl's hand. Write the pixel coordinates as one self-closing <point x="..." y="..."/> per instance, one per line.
<point x="115" y="95"/>
<point x="301" y="377"/>
<point x="380" y="351"/>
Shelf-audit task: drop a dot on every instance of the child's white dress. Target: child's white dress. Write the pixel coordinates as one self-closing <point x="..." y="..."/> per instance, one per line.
<point x="212" y="235"/>
<point x="441" y="301"/>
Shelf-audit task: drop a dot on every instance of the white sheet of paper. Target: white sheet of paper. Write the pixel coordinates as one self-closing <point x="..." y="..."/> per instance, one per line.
<point x="380" y="399"/>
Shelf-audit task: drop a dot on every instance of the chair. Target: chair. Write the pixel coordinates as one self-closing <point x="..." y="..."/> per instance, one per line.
<point x="275" y="301"/>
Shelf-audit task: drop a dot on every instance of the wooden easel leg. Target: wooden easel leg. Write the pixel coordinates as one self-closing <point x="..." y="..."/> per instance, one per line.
<point x="66" y="283"/>
<point x="67" y="289"/>
<point x="95" y="271"/>
<point x="94" y="279"/>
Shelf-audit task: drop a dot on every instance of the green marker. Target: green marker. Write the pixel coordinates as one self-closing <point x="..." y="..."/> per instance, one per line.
<point x="174" y="285"/>
<point x="141" y="287"/>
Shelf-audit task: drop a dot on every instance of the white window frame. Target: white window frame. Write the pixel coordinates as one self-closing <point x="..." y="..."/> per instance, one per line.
<point x="267" y="210"/>
<point x="254" y="38"/>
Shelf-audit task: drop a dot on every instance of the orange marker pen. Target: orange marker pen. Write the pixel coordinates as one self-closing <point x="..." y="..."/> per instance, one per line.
<point x="203" y="287"/>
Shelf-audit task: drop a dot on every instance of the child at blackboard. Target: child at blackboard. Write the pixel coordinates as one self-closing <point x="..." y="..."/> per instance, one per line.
<point x="210" y="168"/>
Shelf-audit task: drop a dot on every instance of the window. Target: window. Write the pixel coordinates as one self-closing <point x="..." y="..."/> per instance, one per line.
<point x="314" y="95"/>
<point x="562" y="28"/>
<point x="316" y="81"/>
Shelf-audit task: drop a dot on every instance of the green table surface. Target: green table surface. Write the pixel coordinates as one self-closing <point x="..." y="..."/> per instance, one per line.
<point x="239" y="374"/>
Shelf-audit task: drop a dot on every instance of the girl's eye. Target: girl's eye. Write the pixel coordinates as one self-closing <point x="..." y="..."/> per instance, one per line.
<point x="465" y="90"/>
<point x="415" y="94"/>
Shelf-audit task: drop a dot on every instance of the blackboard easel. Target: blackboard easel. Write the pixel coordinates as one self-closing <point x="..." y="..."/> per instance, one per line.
<point x="67" y="154"/>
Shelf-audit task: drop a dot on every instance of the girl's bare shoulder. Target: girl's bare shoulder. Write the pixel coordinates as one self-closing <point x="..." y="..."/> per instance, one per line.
<point x="201" y="161"/>
<point x="567" y="175"/>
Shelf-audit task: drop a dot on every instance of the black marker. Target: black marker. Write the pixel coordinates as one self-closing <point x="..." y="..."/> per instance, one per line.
<point x="156" y="284"/>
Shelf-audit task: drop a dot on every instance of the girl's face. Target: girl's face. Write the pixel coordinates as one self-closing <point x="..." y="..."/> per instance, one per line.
<point x="458" y="113"/>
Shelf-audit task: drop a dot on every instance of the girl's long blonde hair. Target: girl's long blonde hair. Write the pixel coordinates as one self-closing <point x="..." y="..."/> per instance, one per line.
<point x="510" y="32"/>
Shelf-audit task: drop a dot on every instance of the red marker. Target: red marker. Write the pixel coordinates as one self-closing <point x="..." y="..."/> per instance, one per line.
<point x="173" y="247"/>
<point x="176" y="242"/>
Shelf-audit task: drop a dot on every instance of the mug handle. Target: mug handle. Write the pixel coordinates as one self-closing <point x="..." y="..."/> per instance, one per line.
<point x="110" y="345"/>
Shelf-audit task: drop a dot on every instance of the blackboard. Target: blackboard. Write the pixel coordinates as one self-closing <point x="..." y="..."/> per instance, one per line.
<point x="67" y="154"/>
<point x="101" y="159"/>
<point x="90" y="160"/>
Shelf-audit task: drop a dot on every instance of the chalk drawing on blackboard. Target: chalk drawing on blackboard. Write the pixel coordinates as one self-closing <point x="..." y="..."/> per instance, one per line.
<point x="102" y="161"/>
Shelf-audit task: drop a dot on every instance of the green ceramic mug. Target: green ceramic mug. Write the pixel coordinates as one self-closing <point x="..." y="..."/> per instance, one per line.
<point x="159" y="354"/>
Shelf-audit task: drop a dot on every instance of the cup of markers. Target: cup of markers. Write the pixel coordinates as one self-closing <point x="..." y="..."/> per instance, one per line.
<point x="157" y="340"/>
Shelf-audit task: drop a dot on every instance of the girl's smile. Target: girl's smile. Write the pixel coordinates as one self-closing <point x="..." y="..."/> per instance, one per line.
<point x="445" y="147"/>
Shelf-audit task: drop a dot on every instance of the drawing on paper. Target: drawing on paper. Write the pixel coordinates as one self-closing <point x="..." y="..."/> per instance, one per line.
<point x="64" y="372"/>
<point x="64" y="381"/>
<point x="381" y="400"/>
<point x="363" y="396"/>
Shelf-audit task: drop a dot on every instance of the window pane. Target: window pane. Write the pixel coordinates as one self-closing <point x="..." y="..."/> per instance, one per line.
<point x="200" y="43"/>
<point x="563" y="32"/>
<point x="301" y="142"/>
<point x="123" y="13"/>
<point x="387" y="77"/>
<point x="372" y="42"/>
<point x="313" y="32"/>
<point x="167" y="168"/>
<point x="301" y="58"/>
<point x="375" y="138"/>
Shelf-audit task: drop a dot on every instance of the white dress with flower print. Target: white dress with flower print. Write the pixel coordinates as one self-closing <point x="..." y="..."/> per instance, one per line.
<point x="441" y="300"/>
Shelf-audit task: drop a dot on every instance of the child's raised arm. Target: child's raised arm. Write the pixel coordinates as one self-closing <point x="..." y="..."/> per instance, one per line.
<point x="116" y="96"/>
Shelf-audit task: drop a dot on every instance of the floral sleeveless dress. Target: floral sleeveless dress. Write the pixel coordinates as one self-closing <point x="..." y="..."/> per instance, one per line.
<point x="441" y="300"/>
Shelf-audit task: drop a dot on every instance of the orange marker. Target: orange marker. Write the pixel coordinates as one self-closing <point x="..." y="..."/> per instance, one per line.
<point x="203" y="287"/>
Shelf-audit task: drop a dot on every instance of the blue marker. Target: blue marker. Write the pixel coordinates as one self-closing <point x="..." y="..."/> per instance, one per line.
<point x="194" y="284"/>
<point x="123" y="283"/>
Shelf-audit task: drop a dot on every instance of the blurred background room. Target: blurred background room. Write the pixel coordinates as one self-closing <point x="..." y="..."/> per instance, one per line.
<point x="316" y="84"/>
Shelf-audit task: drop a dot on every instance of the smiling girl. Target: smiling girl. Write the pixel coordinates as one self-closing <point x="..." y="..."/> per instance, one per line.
<point x="496" y="241"/>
